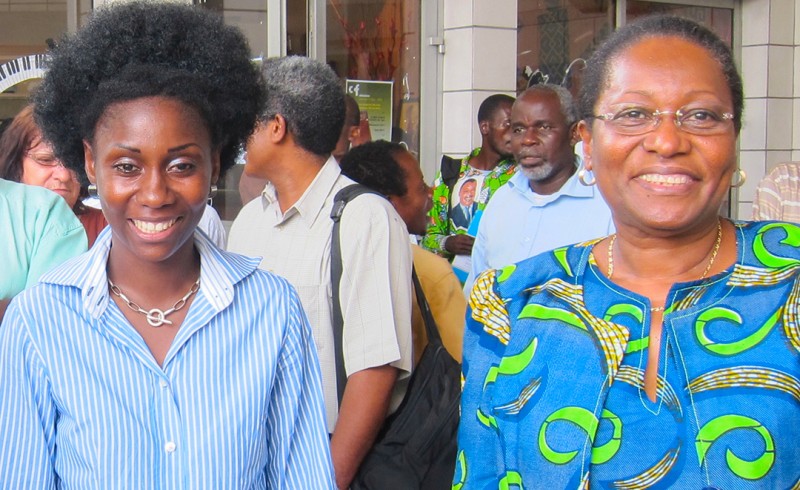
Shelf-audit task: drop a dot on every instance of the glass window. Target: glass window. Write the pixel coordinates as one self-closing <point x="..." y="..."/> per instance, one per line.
<point x="248" y="15"/>
<point x="251" y="17"/>
<point x="552" y="34"/>
<point x="718" y="20"/>
<point x="296" y="28"/>
<point x="25" y="25"/>
<point x="379" y="40"/>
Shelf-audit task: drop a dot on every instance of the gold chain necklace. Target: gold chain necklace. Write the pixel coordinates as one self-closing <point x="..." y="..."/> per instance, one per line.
<point x="155" y="316"/>
<point x="714" y="252"/>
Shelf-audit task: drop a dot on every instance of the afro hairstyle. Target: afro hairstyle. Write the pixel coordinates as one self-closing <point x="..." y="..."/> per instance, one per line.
<point x="142" y="49"/>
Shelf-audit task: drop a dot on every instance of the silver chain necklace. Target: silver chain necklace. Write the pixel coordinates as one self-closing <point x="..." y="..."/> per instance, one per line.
<point x="155" y="317"/>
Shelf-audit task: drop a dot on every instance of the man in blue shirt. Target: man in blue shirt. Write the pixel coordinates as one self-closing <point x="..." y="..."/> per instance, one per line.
<point x="543" y="206"/>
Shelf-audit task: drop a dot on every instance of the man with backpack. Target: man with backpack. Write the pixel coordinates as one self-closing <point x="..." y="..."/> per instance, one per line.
<point x="417" y="447"/>
<point x="290" y="226"/>
<point x="490" y="165"/>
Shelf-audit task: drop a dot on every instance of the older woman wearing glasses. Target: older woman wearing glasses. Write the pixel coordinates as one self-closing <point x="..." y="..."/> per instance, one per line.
<point x="665" y="355"/>
<point x="27" y="158"/>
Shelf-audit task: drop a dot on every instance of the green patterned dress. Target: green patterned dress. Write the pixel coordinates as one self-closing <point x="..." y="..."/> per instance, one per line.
<point x="554" y="359"/>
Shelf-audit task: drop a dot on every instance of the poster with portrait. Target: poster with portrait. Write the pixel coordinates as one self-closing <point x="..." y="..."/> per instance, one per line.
<point x="464" y="200"/>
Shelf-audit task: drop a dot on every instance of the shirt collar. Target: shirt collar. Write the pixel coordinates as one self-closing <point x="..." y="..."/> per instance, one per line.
<point x="572" y="187"/>
<point x="219" y="272"/>
<point x="475" y="152"/>
<point x="313" y="200"/>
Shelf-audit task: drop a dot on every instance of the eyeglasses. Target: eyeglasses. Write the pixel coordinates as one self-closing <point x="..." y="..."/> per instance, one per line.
<point x="634" y="121"/>
<point x="45" y="159"/>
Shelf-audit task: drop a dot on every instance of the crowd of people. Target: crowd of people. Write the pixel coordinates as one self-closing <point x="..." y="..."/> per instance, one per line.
<point x="614" y="330"/>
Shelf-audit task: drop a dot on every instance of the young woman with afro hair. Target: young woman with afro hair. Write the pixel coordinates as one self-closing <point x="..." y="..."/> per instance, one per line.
<point x="157" y="360"/>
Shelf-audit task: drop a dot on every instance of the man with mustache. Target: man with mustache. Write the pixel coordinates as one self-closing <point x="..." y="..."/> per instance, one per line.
<point x="543" y="206"/>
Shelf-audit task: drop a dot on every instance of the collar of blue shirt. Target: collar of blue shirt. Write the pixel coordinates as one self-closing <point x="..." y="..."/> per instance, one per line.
<point x="219" y="272"/>
<point x="572" y="188"/>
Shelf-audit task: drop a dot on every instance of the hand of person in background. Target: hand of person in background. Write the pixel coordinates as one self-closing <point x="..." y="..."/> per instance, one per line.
<point x="459" y="244"/>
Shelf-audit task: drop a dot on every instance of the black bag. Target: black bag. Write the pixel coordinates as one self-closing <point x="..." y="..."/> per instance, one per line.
<point x="450" y="169"/>
<point x="416" y="448"/>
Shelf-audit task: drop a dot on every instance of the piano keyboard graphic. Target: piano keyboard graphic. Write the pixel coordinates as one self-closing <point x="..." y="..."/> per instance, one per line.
<point x="21" y="69"/>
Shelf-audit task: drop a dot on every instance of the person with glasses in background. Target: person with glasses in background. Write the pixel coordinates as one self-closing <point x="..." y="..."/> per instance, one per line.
<point x="27" y="158"/>
<point x="543" y="206"/>
<point x="38" y="231"/>
<point x="665" y="354"/>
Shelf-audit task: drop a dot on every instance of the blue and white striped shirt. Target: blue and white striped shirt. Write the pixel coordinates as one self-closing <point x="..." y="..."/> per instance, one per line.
<point x="237" y="404"/>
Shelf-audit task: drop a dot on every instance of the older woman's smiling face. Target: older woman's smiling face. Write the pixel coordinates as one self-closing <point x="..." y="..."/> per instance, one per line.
<point x="666" y="179"/>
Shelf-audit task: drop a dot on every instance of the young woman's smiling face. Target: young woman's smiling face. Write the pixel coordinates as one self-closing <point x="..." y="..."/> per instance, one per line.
<point x="153" y="162"/>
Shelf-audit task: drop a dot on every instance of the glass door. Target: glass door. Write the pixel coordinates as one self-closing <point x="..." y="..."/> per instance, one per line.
<point x="272" y="28"/>
<point x="717" y="19"/>
<point x="379" y="41"/>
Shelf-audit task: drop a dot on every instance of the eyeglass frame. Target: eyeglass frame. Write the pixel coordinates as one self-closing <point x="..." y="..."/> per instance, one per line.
<point x="56" y="162"/>
<point x="655" y="118"/>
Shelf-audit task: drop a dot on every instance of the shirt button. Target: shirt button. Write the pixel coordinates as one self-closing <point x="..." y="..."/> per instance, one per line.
<point x="163" y="383"/>
<point x="170" y="447"/>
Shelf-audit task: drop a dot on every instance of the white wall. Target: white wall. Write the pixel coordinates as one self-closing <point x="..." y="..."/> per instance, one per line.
<point x="770" y="62"/>
<point x="480" y="60"/>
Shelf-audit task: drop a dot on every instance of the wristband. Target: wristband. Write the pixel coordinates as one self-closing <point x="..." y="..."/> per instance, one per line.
<point x="442" y="241"/>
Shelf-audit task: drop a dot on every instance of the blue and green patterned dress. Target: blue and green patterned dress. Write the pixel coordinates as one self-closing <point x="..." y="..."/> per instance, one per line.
<point x="554" y="363"/>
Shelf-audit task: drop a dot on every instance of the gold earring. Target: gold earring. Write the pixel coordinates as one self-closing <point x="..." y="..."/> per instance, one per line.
<point x="582" y="178"/>
<point x="742" y="178"/>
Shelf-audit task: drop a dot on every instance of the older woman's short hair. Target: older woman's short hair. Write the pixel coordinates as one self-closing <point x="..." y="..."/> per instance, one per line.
<point x="598" y="67"/>
<point x="20" y="136"/>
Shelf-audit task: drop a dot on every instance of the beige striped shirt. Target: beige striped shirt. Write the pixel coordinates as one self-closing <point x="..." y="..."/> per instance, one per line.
<point x="778" y="194"/>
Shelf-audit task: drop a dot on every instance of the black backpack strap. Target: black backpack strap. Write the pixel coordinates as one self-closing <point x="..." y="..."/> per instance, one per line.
<point x="340" y="200"/>
<point x="450" y="169"/>
<point x="430" y="324"/>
